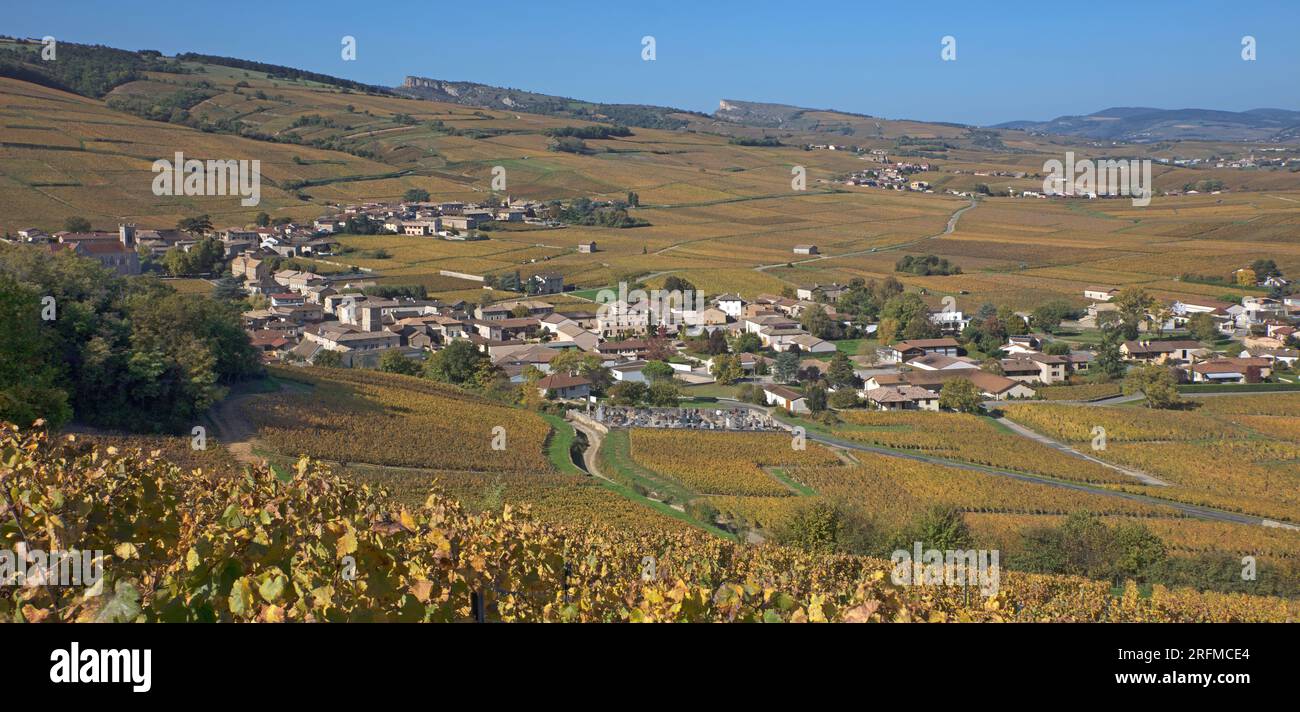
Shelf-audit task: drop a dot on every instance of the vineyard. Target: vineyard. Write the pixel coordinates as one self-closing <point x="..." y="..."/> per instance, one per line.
<point x="412" y="437"/>
<point x="970" y="439"/>
<point x="398" y="421"/>
<point x="1075" y="423"/>
<point x="1237" y="453"/>
<point x="891" y="491"/>
<point x="330" y="550"/>
<point x="894" y="490"/>
<point x="1080" y="392"/>
<point x="723" y="463"/>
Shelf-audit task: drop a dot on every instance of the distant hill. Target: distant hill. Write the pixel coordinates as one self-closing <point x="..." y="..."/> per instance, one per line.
<point x="756" y="113"/>
<point x="1144" y="125"/>
<point x="492" y="97"/>
<point x="783" y="116"/>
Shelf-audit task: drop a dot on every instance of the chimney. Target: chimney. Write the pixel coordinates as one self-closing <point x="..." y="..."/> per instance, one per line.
<point x="126" y="233"/>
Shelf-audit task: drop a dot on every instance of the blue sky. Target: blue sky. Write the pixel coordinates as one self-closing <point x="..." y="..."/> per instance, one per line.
<point x="1026" y="60"/>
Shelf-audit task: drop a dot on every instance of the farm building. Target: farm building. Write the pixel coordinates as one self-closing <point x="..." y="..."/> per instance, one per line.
<point x="788" y="398"/>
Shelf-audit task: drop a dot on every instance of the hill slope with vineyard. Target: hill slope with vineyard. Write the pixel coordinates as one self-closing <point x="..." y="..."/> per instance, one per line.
<point x="304" y="545"/>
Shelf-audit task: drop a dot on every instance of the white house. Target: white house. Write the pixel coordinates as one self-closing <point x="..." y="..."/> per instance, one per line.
<point x="949" y="322"/>
<point x="731" y="305"/>
<point x="788" y="398"/>
<point x="630" y="372"/>
<point x="939" y="362"/>
<point x="810" y="344"/>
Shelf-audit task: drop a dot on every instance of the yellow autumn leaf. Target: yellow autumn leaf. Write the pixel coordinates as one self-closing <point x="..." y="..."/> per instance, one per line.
<point x="346" y="544"/>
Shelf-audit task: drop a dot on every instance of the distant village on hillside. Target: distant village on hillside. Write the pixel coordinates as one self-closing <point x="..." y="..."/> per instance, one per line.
<point x="770" y="341"/>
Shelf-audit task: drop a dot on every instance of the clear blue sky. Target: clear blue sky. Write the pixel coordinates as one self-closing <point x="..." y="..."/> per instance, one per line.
<point x="1015" y="60"/>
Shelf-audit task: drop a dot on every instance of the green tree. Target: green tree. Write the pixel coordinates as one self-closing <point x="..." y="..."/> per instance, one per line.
<point x="456" y="363"/>
<point x="263" y="219"/>
<point x="816" y="528"/>
<point x="326" y="358"/>
<point x="76" y="223"/>
<point x="1133" y="305"/>
<point x="904" y="308"/>
<point x="1137" y="552"/>
<point x="627" y="393"/>
<point x="200" y="224"/>
<point x="961" y="395"/>
<point x="1085" y="546"/>
<point x="229" y="289"/>
<point x="1157" y="383"/>
<point x="678" y="284"/>
<point x="663" y="394"/>
<point x="29" y="379"/>
<point x="1265" y="268"/>
<point x="1109" y="361"/>
<point x="817" y="399"/>
<point x="844" y="398"/>
<point x="921" y="327"/>
<point x="1014" y="323"/>
<point x="1202" y="327"/>
<point x="751" y="393"/>
<point x="727" y="369"/>
<point x="940" y="527"/>
<point x="394" y="361"/>
<point x="815" y="321"/>
<point x="840" y="374"/>
<point x="785" y="366"/>
<point x="657" y="371"/>
<point x="416" y="195"/>
<point x="1048" y="317"/>
<point x="202" y="257"/>
<point x="745" y="342"/>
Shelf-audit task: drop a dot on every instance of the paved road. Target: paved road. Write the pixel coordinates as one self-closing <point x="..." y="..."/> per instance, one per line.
<point x="589" y="455"/>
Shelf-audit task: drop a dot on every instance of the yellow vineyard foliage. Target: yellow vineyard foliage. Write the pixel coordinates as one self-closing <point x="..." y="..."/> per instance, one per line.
<point x="308" y="546"/>
<point x="971" y="439"/>
<point x="723" y="463"/>
<point x="400" y="421"/>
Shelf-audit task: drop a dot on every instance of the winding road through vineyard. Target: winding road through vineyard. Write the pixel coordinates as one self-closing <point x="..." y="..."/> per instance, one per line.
<point x="1192" y="510"/>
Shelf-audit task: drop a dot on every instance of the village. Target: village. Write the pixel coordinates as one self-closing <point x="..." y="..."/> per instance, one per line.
<point x="758" y="349"/>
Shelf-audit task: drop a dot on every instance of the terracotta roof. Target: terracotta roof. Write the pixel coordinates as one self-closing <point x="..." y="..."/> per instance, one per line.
<point x="788" y="394"/>
<point x="562" y="380"/>
<point x="983" y="380"/>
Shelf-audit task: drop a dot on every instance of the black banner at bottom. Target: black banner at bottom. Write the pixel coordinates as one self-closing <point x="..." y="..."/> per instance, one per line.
<point x="336" y="661"/>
